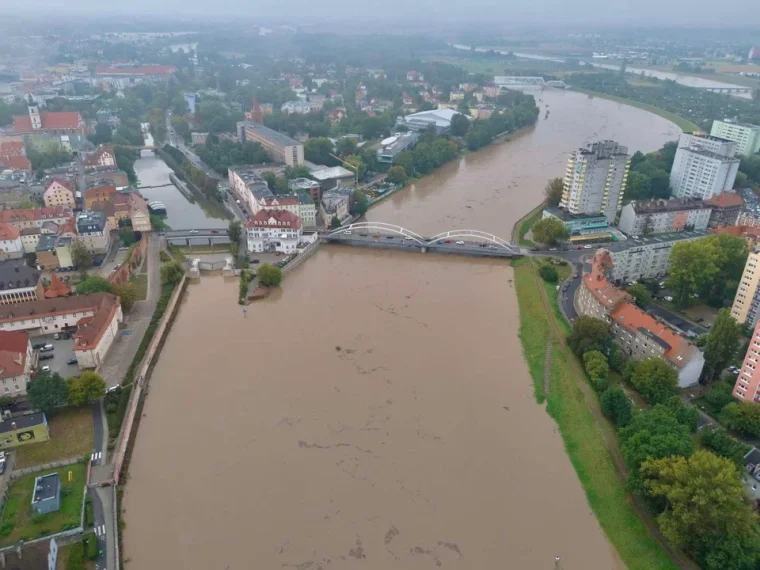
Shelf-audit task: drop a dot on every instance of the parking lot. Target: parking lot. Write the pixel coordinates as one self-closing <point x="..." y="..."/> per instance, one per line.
<point x="62" y="351"/>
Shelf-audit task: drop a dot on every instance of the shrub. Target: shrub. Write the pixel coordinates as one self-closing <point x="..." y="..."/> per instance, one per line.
<point x="597" y="369"/>
<point x="617" y="406"/>
<point x="548" y="274"/>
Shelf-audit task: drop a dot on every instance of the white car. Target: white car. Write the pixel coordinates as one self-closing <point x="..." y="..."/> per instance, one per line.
<point x="586" y="246"/>
<point x="46" y="368"/>
<point x="348" y="233"/>
<point x="668" y="298"/>
<point x="460" y="243"/>
<point x="193" y="231"/>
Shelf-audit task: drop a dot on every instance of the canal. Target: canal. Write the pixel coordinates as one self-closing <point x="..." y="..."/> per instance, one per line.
<point x="183" y="212"/>
<point x="376" y="411"/>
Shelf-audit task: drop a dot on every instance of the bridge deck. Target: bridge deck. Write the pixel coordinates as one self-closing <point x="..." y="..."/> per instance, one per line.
<point x="410" y="245"/>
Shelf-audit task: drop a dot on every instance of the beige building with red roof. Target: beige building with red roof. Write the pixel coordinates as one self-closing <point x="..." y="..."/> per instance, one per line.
<point x="96" y="333"/>
<point x="11" y="246"/>
<point x="35" y="217"/>
<point x="59" y="192"/>
<point x="273" y="230"/>
<point x="49" y="122"/>
<point x="16" y="362"/>
<point x="639" y="334"/>
<point x="103" y="157"/>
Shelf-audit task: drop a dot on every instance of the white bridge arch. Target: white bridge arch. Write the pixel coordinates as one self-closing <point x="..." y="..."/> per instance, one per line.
<point x="473" y="234"/>
<point x="380" y="227"/>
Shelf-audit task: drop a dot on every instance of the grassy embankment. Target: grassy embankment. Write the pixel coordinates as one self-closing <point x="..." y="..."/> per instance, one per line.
<point x="71" y="436"/>
<point x="524" y="225"/>
<point x="583" y="438"/>
<point x="683" y="124"/>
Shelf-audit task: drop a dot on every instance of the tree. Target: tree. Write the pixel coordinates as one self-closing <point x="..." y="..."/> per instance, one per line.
<point x="172" y="272"/>
<point x="553" y="191"/>
<point x="549" y="231"/>
<point x="686" y="415"/>
<point x="460" y="124"/>
<point x="345" y="147"/>
<point x="234" y="231"/>
<point x="334" y="223"/>
<point x="641" y="294"/>
<point x="616" y="406"/>
<point x="292" y="172"/>
<point x="655" y="380"/>
<point x="318" y="151"/>
<point x="719" y="396"/>
<point x="271" y="179"/>
<point x="405" y="160"/>
<point x="80" y="255"/>
<point x="743" y="417"/>
<point x="548" y="273"/>
<point x="704" y="495"/>
<point x="102" y="134"/>
<point x="589" y="334"/>
<point x="127" y="236"/>
<point x="397" y="175"/>
<point x="724" y="445"/>
<point x="85" y="389"/>
<point x="654" y="433"/>
<point x="361" y="203"/>
<point x="722" y="343"/>
<point x="692" y="264"/>
<point x="94" y="284"/>
<point x="269" y="275"/>
<point x="597" y="369"/>
<point x="46" y="392"/>
<point x="127" y="293"/>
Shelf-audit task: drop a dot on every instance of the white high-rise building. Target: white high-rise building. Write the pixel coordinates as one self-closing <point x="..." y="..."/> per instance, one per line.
<point x="746" y="136"/>
<point x="704" y="166"/>
<point x="595" y="179"/>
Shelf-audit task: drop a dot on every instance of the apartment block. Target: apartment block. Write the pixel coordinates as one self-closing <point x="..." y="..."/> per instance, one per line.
<point x="280" y="147"/>
<point x="747" y="386"/>
<point x="664" y="216"/>
<point x="646" y="257"/>
<point x="595" y="179"/>
<point x="745" y="307"/>
<point x="746" y="136"/>
<point x="704" y="166"/>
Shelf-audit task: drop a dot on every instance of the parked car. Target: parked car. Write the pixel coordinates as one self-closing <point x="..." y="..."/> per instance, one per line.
<point x="214" y="231"/>
<point x="2" y="462"/>
<point x="460" y="242"/>
<point x="47" y="356"/>
<point x="72" y="360"/>
<point x="45" y="368"/>
<point x="668" y="298"/>
<point x="47" y="348"/>
<point x="38" y="345"/>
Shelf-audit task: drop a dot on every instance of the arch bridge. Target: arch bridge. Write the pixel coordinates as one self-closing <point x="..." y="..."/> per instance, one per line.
<point x="466" y="241"/>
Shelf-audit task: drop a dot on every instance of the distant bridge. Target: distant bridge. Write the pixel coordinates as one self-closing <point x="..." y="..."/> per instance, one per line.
<point x="736" y="89"/>
<point x="518" y="81"/>
<point x="391" y="236"/>
<point x="197" y="237"/>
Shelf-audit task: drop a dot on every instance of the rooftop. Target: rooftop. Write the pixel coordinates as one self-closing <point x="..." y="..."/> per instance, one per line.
<point x="51" y="307"/>
<point x="91" y="329"/>
<point x="398" y="143"/>
<point x="47" y="243"/>
<point x="16" y="274"/>
<point x="596" y="281"/>
<point x="9" y="232"/>
<point x="32" y="214"/>
<point x="57" y="288"/>
<point x="672" y="205"/>
<point x="332" y="173"/>
<point x="659" y="239"/>
<point x="22" y="422"/>
<point x="566" y="216"/>
<point x="438" y="117"/>
<point x="49" y="119"/>
<point x="726" y="200"/>
<point x="103" y="69"/>
<point x="46" y="487"/>
<point x="13" y="349"/>
<point x="274" y="219"/>
<point x="269" y="134"/>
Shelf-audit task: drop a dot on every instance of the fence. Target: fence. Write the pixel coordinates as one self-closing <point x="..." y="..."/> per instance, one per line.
<point x="303" y="256"/>
<point x="53" y="465"/>
<point x="142" y="378"/>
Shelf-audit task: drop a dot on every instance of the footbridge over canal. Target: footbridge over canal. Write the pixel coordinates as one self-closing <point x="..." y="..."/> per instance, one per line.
<point x="390" y="236"/>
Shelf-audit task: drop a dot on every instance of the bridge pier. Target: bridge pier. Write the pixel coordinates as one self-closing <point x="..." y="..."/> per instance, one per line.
<point x="423" y="249"/>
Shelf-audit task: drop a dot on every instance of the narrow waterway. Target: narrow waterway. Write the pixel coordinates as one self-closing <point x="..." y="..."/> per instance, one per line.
<point x="183" y="212"/>
<point x="376" y="412"/>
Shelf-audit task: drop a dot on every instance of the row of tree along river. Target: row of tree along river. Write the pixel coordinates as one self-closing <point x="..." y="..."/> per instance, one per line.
<point x="376" y="412"/>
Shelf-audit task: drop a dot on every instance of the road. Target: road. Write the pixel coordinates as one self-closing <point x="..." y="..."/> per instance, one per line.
<point x="398" y="242"/>
<point x="568" y="296"/>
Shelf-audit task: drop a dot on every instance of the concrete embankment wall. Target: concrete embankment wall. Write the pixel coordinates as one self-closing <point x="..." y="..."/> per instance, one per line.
<point x="143" y="377"/>
<point x="306" y="254"/>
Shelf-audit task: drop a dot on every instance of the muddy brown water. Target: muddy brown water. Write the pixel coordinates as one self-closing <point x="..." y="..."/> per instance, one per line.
<point x="376" y="412"/>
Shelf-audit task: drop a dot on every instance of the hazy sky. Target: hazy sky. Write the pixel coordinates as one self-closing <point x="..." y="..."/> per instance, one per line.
<point x="661" y="13"/>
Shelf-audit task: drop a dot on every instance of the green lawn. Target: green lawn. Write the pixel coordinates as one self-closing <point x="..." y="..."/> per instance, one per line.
<point x="19" y="522"/>
<point x="141" y="283"/>
<point x="683" y="124"/>
<point x="526" y="223"/>
<point x="71" y="434"/>
<point x="583" y="438"/>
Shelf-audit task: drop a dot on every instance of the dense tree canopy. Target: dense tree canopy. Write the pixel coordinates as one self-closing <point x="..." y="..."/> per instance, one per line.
<point x="93" y="284"/>
<point x="597" y="368"/>
<point x="641" y="294"/>
<point x="269" y="275"/>
<point x="220" y="154"/>
<point x="589" y="333"/>
<point x="654" y="379"/>
<point x="549" y="231"/>
<point x="46" y="392"/>
<point x="722" y="344"/>
<point x="743" y="417"/>
<point x="553" y="191"/>
<point x="616" y="406"/>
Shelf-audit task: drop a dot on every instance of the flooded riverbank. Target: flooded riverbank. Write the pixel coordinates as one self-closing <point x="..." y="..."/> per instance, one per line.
<point x="377" y="411"/>
<point x="382" y="433"/>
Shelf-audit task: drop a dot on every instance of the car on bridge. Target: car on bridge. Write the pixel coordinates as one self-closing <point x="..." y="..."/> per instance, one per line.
<point x="460" y="243"/>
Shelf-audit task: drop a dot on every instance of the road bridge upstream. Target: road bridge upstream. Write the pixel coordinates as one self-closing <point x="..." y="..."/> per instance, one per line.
<point x="389" y="236"/>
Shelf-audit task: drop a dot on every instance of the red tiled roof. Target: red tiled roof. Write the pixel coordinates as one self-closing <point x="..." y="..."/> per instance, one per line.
<point x="596" y="281"/>
<point x="281" y="201"/>
<point x="13" y="347"/>
<point x="91" y="329"/>
<point x="103" y="69"/>
<point x="726" y="200"/>
<point x="274" y="219"/>
<point x="635" y="320"/>
<point x="15" y="162"/>
<point x="32" y="214"/>
<point x="8" y="232"/>
<point x="50" y="120"/>
<point x="104" y="192"/>
<point x="11" y="148"/>
<point x="57" y="288"/>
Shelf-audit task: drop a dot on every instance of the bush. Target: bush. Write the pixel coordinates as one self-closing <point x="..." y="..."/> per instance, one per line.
<point x="548" y="274"/>
<point x="726" y="446"/>
<point x="269" y="275"/>
<point x="617" y="406"/>
<point x="597" y="369"/>
<point x="743" y="417"/>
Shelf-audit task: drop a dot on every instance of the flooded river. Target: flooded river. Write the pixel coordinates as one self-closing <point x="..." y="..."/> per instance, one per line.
<point x="376" y="412"/>
<point x="182" y="212"/>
